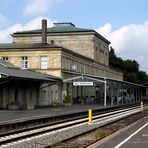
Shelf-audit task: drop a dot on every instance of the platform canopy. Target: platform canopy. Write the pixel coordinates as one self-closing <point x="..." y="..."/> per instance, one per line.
<point x="108" y="83"/>
<point x="83" y="78"/>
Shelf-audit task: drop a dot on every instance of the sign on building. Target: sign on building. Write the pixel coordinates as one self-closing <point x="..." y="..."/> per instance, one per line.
<point x="82" y="83"/>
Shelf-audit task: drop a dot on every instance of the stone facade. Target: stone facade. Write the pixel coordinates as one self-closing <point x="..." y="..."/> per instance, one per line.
<point x="72" y="63"/>
<point x="60" y="61"/>
<point x="67" y="53"/>
<point x="34" y="59"/>
<point x="86" y="44"/>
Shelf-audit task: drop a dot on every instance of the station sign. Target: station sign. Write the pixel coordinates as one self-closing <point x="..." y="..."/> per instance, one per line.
<point x="83" y="84"/>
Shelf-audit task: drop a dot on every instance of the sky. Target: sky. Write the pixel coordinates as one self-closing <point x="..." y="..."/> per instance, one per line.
<point x="123" y="22"/>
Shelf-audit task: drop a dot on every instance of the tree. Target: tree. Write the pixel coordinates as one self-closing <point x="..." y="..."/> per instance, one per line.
<point x="130" y="68"/>
<point x="142" y="77"/>
<point x="130" y="77"/>
<point x="115" y="61"/>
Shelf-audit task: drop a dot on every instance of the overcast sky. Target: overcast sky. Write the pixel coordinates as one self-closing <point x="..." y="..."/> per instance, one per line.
<point x="123" y="22"/>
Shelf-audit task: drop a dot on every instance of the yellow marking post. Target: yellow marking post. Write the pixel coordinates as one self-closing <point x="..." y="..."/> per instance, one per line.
<point x="142" y="106"/>
<point x="89" y="116"/>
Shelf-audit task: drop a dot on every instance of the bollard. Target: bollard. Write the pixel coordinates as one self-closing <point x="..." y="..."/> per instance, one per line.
<point x="89" y="116"/>
<point x="142" y="105"/>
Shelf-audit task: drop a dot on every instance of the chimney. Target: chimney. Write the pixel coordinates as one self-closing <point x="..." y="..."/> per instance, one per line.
<point x="44" y="31"/>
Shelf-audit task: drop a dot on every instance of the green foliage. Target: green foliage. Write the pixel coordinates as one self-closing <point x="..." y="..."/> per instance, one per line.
<point x="67" y="99"/>
<point x="142" y="77"/>
<point x="130" y="77"/>
<point x="99" y="133"/>
<point x="57" y="145"/>
<point x="115" y="61"/>
<point x="130" y="68"/>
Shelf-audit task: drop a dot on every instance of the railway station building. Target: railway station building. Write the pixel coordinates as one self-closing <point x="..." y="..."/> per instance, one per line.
<point x="19" y="88"/>
<point x="77" y="56"/>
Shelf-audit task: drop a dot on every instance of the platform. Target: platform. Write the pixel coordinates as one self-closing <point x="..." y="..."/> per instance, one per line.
<point x="7" y="115"/>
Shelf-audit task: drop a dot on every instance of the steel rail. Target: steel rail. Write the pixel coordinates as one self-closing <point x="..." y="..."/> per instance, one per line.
<point x="31" y="133"/>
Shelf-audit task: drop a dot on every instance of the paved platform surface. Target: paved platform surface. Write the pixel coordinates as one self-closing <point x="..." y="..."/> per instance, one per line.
<point x="136" y="136"/>
<point x="7" y="115"/>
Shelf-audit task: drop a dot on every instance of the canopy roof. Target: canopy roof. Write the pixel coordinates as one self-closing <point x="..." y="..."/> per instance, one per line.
<point x="93" y="78"/>
<point x="8" y="70"/>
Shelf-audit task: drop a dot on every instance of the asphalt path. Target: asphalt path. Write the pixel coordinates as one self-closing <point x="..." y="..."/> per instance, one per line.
<point x="133" y="136"/>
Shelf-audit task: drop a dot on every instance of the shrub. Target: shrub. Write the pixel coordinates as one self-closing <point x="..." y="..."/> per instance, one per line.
<point x="67" y="99"/>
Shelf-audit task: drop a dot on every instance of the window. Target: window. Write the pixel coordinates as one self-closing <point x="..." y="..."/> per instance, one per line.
<point x="44" y="62"/>
<point x="63" y="63"/>
<point x="84" y="68"/>
<point x="24" y="62"/>
<point x="69" y="64"/>
<point x="43" y="94"/>
<point x="80" y="67"/>
<point x="66" y="63"/>
<point x="5" y="58"/>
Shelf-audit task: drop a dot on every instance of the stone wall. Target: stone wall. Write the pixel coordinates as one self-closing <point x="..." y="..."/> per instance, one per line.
<point x="50" y="95"/>
<point x="88" y="66"/>
<point x="101" y="52"/>
<point x="34" y="59"/>
<point x="86" y="44"/>
<point x="81" y="44"/>
<point x="61" y="59"/>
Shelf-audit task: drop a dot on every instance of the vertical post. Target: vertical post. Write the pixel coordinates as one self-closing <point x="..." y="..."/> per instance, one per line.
<point x="122" y="89"/>
<point x="89" y="116"/>
<point x="4" y="97"/>
<point x="146" y="95"/>
<point x="136" y="95"/>
<point x="105" y="92"/>
<point x="118" y="91"/>
<point x="130" y="94"/>
<point x="112" y="94"/>
<point x="141" y="105"/>
<point x="140" y="94"/>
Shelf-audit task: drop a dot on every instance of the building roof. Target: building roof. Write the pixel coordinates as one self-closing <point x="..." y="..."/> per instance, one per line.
<point x="26" y="45"/>
<point x="6" y="64"/>
<point x="65" y="27"/>
<point x="57" y="28"/>
<point x="8" y="70"/>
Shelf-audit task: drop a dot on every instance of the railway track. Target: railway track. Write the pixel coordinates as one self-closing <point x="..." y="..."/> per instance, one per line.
<point x="39" y="121"/>
<point x="29" y="138"/>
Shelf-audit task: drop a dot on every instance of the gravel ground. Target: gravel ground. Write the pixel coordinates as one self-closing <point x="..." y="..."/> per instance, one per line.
<point x="51" y="138"/>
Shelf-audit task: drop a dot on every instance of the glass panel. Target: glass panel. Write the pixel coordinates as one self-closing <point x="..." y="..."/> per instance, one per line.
<point x="44" y="62"/>
<point x="24" y="62"/>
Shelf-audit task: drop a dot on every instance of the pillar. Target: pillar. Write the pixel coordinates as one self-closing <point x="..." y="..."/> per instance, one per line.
<point x="105" y="93"/>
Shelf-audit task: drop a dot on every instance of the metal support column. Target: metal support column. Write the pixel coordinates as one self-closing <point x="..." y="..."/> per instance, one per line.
<point x="105" y="92"/>
<point x="136" y="96"/>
